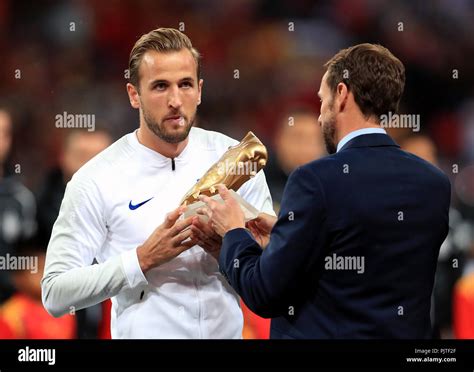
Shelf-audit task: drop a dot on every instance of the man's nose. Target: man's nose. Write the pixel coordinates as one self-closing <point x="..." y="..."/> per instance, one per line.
<point x="174" y="98"/>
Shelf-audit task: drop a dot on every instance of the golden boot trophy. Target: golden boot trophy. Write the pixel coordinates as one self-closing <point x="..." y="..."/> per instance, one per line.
<point x="235" y="167"/>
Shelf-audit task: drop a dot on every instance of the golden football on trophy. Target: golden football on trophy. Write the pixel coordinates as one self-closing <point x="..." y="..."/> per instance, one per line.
<point x="235" y="167"/>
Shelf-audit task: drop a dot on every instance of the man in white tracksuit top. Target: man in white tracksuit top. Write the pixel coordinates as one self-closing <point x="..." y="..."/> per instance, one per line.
<point x="115" y="210"/>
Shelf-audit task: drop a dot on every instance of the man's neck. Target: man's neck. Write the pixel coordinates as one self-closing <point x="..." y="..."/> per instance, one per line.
<point x="150" y="140"/>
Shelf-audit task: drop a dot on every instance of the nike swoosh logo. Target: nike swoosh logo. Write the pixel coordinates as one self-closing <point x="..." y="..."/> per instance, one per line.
<point x="133" y="207"/>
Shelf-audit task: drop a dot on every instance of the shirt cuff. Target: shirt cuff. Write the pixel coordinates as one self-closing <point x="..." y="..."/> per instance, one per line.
<point x="131" y="267"/>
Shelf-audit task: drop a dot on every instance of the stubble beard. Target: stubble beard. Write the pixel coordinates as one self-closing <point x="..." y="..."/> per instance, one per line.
<point x="159" y="129"/>
<point x="329" y="132"/>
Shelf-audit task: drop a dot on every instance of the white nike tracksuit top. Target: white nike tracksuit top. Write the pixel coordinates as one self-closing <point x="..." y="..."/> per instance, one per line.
<point x="101" y="217"/>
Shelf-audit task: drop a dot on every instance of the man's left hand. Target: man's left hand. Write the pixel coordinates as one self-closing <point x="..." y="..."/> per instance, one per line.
<point x="226" y="216"/>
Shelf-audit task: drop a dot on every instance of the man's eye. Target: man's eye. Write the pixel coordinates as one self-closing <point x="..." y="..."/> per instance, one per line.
<point x="187" y="84"/>
<point x="160" y="86"/>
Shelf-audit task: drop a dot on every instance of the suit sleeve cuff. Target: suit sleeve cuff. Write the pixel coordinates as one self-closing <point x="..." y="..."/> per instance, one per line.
<point x="237" y="234"/>
<point x="230" y="238"/>
<point x="132" y="269"/>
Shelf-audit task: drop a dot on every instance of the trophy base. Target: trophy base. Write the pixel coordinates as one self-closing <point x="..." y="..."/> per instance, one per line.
<point x="250" y="212"/>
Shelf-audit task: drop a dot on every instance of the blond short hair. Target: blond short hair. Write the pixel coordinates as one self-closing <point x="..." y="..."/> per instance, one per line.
<point x="161" y="40"/>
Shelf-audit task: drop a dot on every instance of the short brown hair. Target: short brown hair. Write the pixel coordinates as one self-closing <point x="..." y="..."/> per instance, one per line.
<point x="372" y="73"/>
<point x="161" y="40"/>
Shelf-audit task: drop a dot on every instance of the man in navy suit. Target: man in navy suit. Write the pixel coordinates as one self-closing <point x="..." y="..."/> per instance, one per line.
<point x="353" y="252"/>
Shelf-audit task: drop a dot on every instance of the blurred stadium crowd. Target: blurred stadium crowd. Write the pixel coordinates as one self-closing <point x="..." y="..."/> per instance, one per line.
<point x="262" y="64"/>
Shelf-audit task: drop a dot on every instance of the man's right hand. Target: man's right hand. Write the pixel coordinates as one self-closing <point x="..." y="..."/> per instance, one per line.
<point x="166" y="242"/>
<point x="261" y="228"/>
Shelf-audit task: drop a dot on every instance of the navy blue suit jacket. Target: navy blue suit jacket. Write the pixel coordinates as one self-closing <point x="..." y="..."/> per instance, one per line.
<point x="370" y="202"/>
